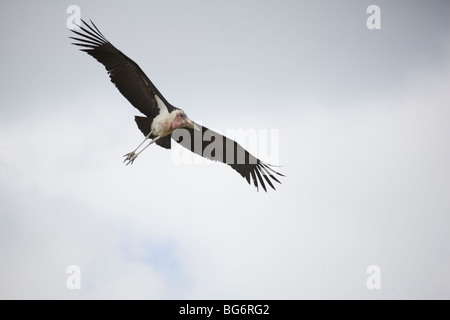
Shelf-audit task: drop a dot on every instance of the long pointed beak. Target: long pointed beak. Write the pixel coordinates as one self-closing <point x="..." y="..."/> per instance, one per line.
<point x="191" y="124"/>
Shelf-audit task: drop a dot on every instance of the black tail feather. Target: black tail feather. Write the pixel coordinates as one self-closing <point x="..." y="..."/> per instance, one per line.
<point x="144" y="124"/>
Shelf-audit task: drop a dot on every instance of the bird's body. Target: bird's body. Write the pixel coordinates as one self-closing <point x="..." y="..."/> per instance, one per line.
<point x="162" y="119"/>
<point x="162" y="123"/>
<point x="165" y="123"/>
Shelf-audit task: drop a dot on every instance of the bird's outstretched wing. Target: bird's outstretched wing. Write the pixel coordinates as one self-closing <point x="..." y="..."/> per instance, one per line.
<point x="214" y="146"/>
<point x="124" y="72"/>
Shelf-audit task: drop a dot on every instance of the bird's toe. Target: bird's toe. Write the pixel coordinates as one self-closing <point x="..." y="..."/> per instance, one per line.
<point x="128" y="156"/>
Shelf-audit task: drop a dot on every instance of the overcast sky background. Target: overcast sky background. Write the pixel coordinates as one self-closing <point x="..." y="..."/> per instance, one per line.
<point x="363" y="119"/>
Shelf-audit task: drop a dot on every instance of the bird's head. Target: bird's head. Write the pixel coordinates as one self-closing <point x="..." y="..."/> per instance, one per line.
<point x="182" y="121"/>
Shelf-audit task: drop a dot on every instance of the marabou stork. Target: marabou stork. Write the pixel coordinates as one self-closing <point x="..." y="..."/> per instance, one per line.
<point x="163" y="121"/>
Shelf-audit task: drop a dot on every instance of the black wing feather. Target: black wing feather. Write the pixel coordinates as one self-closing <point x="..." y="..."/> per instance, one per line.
<point x="252" y="169"/>
<point x="140" y="92"/>
<point x="124" y="72"/>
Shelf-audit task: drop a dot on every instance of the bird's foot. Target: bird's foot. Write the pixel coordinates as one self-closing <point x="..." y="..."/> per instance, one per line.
<point x="130" y="157"/>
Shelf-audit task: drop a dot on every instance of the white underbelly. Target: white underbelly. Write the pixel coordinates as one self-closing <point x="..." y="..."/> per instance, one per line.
<point x="159" y="126"/>
<point x="161" y="123"/>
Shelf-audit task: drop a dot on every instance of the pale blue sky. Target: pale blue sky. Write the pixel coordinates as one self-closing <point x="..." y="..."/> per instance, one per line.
<point x="363" y="122"/>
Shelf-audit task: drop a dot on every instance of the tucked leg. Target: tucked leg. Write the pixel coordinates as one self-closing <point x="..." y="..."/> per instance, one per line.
<point x="132" y="155"/>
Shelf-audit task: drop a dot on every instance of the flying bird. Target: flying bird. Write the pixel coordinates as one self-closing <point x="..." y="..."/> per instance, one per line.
<point x="162" y="122"/>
